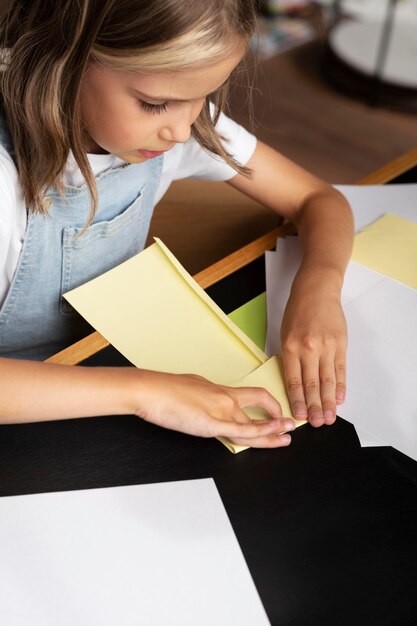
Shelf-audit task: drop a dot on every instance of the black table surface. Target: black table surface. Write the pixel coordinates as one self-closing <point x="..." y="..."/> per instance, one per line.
<point x="328" y="529"/>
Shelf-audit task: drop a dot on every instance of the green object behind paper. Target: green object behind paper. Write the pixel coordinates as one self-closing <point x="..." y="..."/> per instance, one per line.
<point x="251" y="318"/>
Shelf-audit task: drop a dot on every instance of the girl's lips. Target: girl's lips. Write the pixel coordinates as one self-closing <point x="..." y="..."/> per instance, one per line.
<point x="150" y="154"/>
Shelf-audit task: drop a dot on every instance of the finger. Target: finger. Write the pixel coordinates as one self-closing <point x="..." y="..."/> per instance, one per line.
<point x="255" y="429"/>
<point x="284" y="424"/>
<point x="340" y="369"/>
<point x="295" y="390"/>
<point x="328" y="390"/>
<point x="259" y="397"/>
<point x="241" y="417"/>
<point x="268" y="441"/>
<point x="311" y="384"/>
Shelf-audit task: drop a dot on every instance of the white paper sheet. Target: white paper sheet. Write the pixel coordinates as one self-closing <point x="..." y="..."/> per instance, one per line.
<point x="381" y="365"/>
<point x="280" y="267"/>
<point x="382" y="394"/>
<point x="369" y="202"/>
<point x="148" y="555"/>
<point x="366" y="440"/>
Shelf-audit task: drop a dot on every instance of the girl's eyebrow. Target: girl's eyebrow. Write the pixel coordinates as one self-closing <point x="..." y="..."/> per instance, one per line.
<point x="160" y="98"/>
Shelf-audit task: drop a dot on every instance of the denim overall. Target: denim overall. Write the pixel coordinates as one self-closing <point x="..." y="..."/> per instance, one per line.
<point x="35" y="320"/>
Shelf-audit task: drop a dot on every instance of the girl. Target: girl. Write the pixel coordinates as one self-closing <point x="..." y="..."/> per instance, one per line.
<point x="104" y="103"/>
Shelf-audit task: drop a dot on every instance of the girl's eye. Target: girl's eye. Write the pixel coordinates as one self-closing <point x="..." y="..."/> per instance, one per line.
<point x="153" y="108"/>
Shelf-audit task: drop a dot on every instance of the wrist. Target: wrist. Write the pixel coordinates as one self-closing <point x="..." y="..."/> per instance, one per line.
<point x="323" y="279"/>
<point x="117" y="390"/>
<point x="136" y="390"/>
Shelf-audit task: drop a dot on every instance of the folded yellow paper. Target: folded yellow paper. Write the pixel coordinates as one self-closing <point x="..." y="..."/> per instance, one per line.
<point x="389" y="246"/>
<point x="152" y="311"/>
<point x="269" y="375"/>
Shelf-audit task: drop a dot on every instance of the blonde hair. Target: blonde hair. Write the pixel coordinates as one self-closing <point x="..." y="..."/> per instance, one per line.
<point x="49" y="43"/>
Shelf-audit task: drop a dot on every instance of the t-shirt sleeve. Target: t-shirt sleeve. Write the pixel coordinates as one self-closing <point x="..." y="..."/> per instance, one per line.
<point x="190" y="160"/>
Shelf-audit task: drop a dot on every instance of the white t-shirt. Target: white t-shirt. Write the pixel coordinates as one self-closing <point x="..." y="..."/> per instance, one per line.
<point x="187" y="160"/>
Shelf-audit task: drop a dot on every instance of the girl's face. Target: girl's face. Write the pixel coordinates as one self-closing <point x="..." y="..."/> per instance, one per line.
<point x="138" y="116"/>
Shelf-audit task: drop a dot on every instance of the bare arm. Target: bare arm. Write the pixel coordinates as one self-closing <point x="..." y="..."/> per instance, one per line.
<point x="314" y="336"/>
<point x="32" y="391"/>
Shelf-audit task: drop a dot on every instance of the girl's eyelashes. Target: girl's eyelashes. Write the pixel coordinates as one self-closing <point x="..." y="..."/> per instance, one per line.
<point x="153" y="108"/>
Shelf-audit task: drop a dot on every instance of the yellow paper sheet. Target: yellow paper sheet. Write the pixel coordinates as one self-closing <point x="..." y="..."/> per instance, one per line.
<point x="389" y="246"/>
<point x="269" y="375"/>
<point x="159" y="318"/>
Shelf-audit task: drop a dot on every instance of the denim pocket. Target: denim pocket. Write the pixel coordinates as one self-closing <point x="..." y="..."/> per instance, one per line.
<point x="102" y="246"/>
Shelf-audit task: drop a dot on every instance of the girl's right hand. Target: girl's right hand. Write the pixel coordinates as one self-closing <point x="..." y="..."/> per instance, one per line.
<point x="193" y="405"/>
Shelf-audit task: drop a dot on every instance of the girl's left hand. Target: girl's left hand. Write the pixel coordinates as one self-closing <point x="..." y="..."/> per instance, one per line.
<point x="314" y="343"/>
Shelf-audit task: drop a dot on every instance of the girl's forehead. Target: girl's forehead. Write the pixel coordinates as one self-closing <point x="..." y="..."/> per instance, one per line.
<point x="183" y="84"/>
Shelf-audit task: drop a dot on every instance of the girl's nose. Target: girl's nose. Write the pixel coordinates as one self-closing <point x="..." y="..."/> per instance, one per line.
<point x="178" y="128"/>
<point x="176" y="132"/>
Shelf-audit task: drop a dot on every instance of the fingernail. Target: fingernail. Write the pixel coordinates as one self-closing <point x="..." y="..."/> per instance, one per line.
<point x="285" y="439"/>
<point x="300" y="411"/>
<point x="289" y="424"/>
<point x="328" y="414"/>
<point x="340" y="397"/>
<point x="316" y="416"/>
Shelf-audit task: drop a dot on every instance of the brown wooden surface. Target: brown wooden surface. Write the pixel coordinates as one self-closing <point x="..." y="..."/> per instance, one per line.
<point x="93" y="343"/>
<point x="203" y="221"/>
<point x="331" y="134"/>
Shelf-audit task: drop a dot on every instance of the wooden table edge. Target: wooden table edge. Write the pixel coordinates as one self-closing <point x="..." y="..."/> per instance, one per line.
<point x="91" y="344"/>
<point x="391" y="170"/>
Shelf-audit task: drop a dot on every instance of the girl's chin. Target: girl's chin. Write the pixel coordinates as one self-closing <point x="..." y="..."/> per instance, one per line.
<point x="131" y="157"/>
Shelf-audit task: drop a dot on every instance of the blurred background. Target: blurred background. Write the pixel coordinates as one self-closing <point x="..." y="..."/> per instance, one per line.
<point x="336" y="83"/>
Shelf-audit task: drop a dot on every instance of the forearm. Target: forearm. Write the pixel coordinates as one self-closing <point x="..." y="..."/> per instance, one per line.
<point x="325" y="226"/>
<point x="33" y="391"/>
